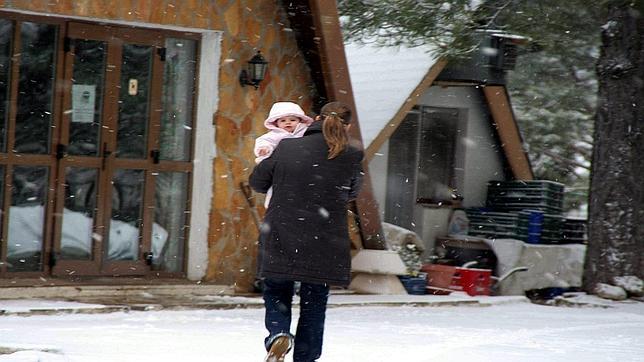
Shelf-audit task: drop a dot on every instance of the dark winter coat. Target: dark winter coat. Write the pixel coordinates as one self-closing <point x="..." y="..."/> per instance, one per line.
<point x="304" y="235"/>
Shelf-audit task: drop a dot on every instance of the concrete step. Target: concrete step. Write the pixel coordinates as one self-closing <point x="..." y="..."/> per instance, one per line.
<point x="108" y="304"/>
<point x="99" y="291"/>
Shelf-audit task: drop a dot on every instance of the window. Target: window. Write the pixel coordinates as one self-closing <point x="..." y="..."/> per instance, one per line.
<point x="6" y="35"/>
<point x="423" y="157"/>
<point x="35" y="87"/>
<point x="401" y="174"/>
<point x="438" y="133"/>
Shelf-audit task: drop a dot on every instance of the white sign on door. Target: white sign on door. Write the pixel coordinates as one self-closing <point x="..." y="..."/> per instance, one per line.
<point x="83" y="103"/>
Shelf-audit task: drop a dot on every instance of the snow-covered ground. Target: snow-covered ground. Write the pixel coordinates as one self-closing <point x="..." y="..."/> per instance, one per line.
<point x="503" y="332"/>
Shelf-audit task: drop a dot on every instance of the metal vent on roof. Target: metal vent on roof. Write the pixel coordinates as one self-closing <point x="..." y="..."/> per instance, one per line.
<point x="507" y="51"/>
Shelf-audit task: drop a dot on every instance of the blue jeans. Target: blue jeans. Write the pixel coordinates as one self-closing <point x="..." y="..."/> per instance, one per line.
<point x="278" y="299"/>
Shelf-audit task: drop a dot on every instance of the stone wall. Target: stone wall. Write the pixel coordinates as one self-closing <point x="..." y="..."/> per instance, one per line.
<point x="247" y="26"/>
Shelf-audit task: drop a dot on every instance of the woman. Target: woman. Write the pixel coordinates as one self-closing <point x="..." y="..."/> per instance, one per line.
<point x="304" y="236"/>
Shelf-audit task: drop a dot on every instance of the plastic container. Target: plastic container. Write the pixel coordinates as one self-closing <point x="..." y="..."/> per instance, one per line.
<point x="414" y="285"/>
<point x="472" y="281"/>
<point x="535" y="225"/>
<point x="439" y="276"/>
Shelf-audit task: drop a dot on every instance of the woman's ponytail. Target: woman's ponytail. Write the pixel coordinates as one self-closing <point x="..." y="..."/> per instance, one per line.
<point x="335" y="116"/>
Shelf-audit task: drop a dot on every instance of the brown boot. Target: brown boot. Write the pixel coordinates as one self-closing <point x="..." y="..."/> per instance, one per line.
<point x="280" y="347"/>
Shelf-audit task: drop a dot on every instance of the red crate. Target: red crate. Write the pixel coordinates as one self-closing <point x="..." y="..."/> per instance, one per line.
<point x="439" y="276"/>
<point x="472" y="281"/>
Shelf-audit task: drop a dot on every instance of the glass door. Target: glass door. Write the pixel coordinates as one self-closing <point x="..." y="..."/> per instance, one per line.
<point x="96" y="139"/>
<point x="105" y="196"/>
<point x="29" y="65"/>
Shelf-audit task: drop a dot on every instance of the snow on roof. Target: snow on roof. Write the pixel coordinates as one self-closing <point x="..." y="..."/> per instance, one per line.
<point x="382" y="79"/>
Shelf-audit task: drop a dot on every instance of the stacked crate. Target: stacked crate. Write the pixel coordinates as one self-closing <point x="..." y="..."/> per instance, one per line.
<point x="575" y="231"/>
<point x="492" y="225"/>
<point x="538" y="204"/>
<point x="531" y="211"/>
<point x="536" y="227"/>
<point x="515" y="196"/>
<point x="526" y="210"/>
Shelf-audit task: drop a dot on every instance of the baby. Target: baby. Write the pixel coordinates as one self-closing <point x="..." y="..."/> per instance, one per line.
<point x="285" y="120"/>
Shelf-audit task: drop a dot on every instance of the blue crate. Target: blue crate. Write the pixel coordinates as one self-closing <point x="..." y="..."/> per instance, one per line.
<point x="414" y="285"/>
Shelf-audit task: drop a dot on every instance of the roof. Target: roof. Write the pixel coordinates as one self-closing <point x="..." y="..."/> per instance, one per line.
<point x="383" y="78"/>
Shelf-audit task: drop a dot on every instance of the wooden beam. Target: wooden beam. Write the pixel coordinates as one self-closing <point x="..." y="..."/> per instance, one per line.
<point x="454" y="83"/>
<point x="508" y="131"/>
<point x="392" y="125"/>
<point x="338" y="88"/>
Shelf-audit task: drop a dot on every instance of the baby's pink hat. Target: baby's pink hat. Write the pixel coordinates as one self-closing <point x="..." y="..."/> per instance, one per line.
<point x="285" y="109"/>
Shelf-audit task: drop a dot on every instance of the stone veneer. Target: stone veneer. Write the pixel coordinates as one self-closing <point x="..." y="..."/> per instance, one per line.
<point x="247" y="26"/>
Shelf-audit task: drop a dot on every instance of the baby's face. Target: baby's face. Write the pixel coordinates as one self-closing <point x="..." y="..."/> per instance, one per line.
<point x="287" y="123"/>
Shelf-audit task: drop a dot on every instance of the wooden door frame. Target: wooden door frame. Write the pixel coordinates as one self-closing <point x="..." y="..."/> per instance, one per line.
<point x="10" y="159"/>
<point x="64" y="267"/>
<point x="105" y="161"/>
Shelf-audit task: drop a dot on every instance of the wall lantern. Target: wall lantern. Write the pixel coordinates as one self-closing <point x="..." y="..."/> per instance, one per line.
<point x="256" y="71"/>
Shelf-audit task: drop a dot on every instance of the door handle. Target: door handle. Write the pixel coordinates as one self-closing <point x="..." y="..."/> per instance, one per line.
<point x="148" y="257"/>
<point x="61" y="151"/>
<point x="156" y="155"/>
<point x="53" y="259"/>
<point x="106" y="155"/>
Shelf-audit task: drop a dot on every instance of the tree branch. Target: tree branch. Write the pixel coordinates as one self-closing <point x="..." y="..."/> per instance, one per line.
<point x="497" y="13"/>
<point x="565" y="161"/>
